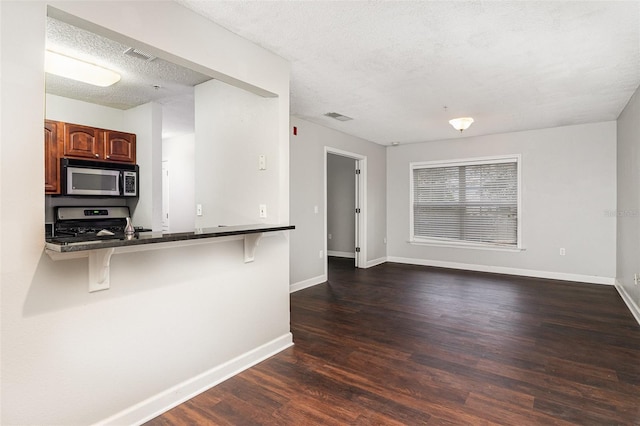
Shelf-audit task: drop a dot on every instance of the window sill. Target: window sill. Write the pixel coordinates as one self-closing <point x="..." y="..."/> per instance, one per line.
<point x="466" y="246"/>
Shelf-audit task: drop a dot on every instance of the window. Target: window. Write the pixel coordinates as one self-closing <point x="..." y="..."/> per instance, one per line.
<point x="469" y="202"/>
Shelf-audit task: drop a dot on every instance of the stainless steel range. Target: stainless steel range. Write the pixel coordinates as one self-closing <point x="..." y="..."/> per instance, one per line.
<point x="79" y="224"/>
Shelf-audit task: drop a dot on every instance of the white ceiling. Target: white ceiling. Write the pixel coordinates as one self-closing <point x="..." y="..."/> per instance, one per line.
<point x="141" y="81"/>
<point x="393" y="66"/>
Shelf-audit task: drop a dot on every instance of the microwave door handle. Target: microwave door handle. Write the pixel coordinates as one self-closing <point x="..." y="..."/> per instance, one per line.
<point x="121" y="183"/>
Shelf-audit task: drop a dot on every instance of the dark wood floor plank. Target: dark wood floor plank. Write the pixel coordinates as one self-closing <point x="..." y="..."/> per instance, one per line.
<point x="504" y="411"/>
<point x="410" y="345"/>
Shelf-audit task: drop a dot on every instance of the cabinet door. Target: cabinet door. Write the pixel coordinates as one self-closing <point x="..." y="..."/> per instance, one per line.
<point x="120" y="147"/>
<point x="51" y="162"/>
<point x="83" y="142"/>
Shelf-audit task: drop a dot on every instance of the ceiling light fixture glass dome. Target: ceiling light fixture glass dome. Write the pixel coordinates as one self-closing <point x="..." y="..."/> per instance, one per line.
<point x="461" y="123"/>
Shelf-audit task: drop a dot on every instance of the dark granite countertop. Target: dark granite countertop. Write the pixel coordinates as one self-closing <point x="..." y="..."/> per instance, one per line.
<point x="63" y="246"/>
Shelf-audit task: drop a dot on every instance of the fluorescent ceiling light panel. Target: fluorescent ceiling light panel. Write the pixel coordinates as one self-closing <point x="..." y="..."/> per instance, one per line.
<point x="75" y="69"/>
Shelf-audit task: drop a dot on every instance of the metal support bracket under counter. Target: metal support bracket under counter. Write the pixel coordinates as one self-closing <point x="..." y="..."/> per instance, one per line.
<point x="99" y="252"/>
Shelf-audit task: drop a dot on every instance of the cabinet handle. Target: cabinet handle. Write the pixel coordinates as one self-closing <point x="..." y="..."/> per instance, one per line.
<point x="108" y="156"/>
<point x="97" y="155"/>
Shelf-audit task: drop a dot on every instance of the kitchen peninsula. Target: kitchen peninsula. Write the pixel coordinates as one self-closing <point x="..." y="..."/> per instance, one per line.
<point x="61" y="246"/>
<point x="100" y="251"/>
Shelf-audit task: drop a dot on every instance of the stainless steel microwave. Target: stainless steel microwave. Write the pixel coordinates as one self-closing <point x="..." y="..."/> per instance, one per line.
<point x="96" y="178"/>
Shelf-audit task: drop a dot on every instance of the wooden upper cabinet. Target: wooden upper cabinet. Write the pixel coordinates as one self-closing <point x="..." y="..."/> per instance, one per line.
<point x="51" y="159"/>
<point x="86" y="142"/>
<point x="120" y="146"/>
<point x="83" y="142"/>
<point x="66" y="140"/>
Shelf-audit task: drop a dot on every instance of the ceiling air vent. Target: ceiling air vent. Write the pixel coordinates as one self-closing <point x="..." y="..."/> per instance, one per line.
<point x="338" y="117"/>
<point x="137" y="53"/>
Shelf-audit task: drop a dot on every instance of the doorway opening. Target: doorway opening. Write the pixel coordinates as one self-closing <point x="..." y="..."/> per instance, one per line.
<point x="341" y="204"/>
<point x="345" y="215"/>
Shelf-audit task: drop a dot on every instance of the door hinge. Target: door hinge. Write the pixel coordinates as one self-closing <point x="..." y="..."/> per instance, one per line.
<point x="357" y="171"/>
<point x="358" y="210"/>
<point x="357" y="249"/>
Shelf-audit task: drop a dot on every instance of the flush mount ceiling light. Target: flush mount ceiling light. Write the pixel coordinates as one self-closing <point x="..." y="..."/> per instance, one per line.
<point x="461" y="123"/>
<point x="75" y="69"/>
<point x="338" y="117"/>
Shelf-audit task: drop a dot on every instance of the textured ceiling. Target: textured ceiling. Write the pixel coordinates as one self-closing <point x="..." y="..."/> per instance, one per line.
<point x="141" y="81"/>
<point x="393" y="66"/>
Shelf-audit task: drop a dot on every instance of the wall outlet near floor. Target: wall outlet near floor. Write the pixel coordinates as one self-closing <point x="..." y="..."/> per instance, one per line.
<point x="263" y="211"/>
<point x="636" y="279"/>
<point x="562" y="251"/>
<point x="384" y="240"/>
<point x="199" y="209"/>
<point x="329" y="236"/>
<point x="321" y="254"/>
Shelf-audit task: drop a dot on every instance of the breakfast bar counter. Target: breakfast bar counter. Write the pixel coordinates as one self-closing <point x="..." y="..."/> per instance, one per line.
<point x="67" y="245"/>
<point x="99" y="251"/>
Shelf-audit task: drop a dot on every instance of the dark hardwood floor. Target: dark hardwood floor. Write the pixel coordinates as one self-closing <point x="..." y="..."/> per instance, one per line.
<point x="409" y="345"/>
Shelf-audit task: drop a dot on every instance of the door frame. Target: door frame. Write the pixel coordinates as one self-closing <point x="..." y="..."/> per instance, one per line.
<point x="361" y="221"/>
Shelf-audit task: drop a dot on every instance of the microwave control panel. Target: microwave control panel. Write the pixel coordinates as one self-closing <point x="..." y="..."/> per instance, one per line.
<point x="130" y="183"/>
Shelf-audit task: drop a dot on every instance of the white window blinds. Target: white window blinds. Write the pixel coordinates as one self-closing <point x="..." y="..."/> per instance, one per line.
<point x="466" y="202"/>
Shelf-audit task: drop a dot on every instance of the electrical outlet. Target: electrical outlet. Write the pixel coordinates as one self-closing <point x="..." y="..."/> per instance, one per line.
<point x="321" y="254"/>
<point x="636" y="279"/>
<point x="384" y="240"/>
<point x="562" y="251"/>
<point x="263" y="211"/>
<point x="315" y="209"/>
<point x="329" y="236"/>
<point x="199" y="209"/>
<point x="262" y="162"/>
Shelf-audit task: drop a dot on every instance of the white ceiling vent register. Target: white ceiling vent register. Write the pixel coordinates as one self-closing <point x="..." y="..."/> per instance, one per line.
<point x="137" y="53"/>
<point x="338" y="117"/>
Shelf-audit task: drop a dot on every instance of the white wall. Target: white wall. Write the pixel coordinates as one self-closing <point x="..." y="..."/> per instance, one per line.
<point x="146" y="122"/>
<point x="179" y="152"/>
<point x="59" y="108"/>
<point x="341" y="196"/>
<point x="568" y="184"/>
<point x="233" y="128"/>
<point x="307" y="191"/>
<point x="172" y="317"/>
<point x="628" y="209"/>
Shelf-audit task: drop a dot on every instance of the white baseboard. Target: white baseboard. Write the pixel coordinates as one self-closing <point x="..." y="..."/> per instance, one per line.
<point x="376" y="262"/>
<point x="628" y="300"/>
<point x="172" y="397"/>
<point x="505" y="270"/>
<point x="307" y="283"/>
<point x="341" y="254"/>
